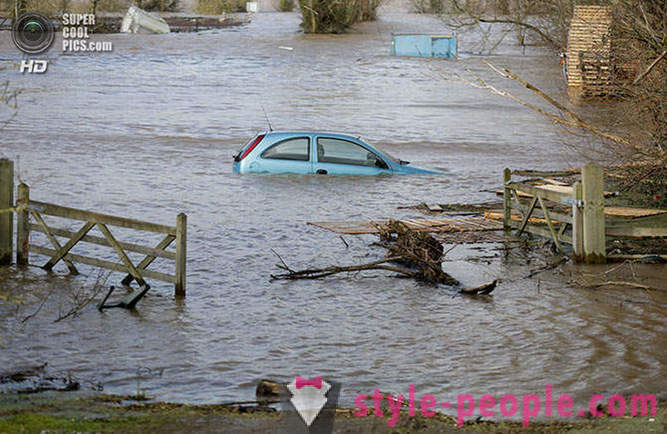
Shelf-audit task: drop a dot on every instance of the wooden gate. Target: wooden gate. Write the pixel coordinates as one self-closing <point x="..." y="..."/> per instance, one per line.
<point x="30" y="218"/>
<point x="576" y="214"/>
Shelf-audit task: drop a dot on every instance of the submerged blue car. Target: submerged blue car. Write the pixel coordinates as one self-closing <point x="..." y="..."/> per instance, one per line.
<point x="317" y="153"/>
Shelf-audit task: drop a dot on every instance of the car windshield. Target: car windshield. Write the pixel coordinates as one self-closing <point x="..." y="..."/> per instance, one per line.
<point x="387" y="154"/>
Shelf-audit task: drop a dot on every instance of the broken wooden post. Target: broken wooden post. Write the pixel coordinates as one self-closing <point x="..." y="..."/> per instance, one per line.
<point x="6" y="218"/>
<point x="181" y="243"/>
<point x="577" y="223"/>
<point x="507" y="204"/>
<point x="593" y="227"/>
<point x="22" y="225"/>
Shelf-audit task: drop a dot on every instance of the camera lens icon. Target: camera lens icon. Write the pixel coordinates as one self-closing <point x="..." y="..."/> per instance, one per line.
<point x="33" y="33"/>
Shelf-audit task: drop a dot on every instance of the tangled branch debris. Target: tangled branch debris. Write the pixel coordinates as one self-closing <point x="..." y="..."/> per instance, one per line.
<point x="411" y="254"/>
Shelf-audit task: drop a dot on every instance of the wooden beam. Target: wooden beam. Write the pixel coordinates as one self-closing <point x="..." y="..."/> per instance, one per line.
<point x="123" y="256"/>
<point x="594" y="224"/>
<point x="181" y="250"/>
<point x="577" y="223"/>
<point x="148" y="260"/>
<point x="650" y="226"/>
<point x="564" y="218"/>
<point x="22" y="226"/>
<point x="550" y="224"/>
<point x="555" y="193"/>
<point x="80" y="259"/>
<point x="89" y="216"/>
<point x="53" y="240"/>
<point x="101" y="241"/>
<point x="67" y="247"/>
<point x="526" y="217"/>
<point x="507" y="200"/>
<point x="6" y="218"/>
<point x="543" y="232"/>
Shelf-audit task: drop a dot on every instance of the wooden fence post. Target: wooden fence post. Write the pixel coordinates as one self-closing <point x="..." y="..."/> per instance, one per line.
<point x="577" y="223"/>
<point x="594" y="230"/>
<point x="22" y="226"/>
<point x="6" y="218"/>
<point x="507" y="197"/>
<point x="181" y="253"/>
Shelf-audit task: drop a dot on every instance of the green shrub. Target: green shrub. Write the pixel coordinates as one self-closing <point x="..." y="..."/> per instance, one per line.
<point x="158" y="5"/>
<point x="219" y="7"/>
<point x="326" y="16"/>
<point x="286" y="6"/>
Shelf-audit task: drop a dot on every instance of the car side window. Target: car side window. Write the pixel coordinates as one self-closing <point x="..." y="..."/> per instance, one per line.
<point x="339" y="151"/>
<point x="297" y="149"/>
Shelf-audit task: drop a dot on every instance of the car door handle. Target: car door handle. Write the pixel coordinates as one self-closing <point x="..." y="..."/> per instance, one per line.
<point x="321" y="172"/>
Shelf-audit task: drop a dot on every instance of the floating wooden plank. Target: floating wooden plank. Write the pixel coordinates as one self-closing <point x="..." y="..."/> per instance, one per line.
<point x="498" y="215"/>
<point x="439" y="225"/>
<point x="639" y="227"/>
<point x="619" y="211"/>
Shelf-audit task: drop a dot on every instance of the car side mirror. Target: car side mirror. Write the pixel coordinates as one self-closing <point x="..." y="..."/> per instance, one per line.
<point x="374" y="160"/>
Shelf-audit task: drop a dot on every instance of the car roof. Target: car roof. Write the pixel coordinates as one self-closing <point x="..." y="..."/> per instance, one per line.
<point x="296" y="133"/>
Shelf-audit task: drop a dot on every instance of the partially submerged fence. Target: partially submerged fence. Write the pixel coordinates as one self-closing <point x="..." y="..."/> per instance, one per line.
<point x="30" y="219"/>
<point x="583" y="223"/>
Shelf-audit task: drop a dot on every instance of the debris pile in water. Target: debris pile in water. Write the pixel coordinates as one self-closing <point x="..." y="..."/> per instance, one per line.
<point x="410" y="253"/>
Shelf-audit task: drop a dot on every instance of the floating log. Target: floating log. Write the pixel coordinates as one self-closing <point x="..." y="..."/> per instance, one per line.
<point x="484" y="289"/>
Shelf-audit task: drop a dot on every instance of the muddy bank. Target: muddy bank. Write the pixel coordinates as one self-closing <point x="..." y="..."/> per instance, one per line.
<point x="115" y="413"/>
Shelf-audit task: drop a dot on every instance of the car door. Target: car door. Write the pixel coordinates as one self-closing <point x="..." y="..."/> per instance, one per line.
<point x="338" y="156"/>
<point x="291" y="155"/>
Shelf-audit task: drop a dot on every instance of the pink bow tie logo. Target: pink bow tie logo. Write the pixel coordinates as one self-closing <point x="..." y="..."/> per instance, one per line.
<point x="315" y="382"/>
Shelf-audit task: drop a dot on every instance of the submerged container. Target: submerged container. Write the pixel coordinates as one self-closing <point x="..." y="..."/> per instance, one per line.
<point x="139" y="21"/>
<point x="251" y="7"/>
<point x="424" y="45"/>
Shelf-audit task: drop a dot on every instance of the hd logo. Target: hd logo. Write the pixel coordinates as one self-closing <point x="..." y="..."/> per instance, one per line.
<point x="34" y="66"/>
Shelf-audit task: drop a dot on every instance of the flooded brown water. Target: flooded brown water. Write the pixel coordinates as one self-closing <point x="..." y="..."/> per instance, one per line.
<point x="148" y="131"/>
